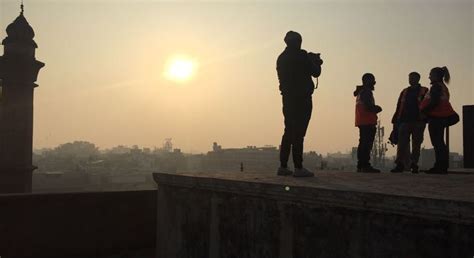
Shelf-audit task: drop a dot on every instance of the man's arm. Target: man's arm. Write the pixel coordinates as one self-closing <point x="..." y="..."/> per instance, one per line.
<point x="279" y="69"/>
<point x="357" y="90"/>
<point x="367" y="98"/>
<point x="280" y="73"/>
<point x="395" y="115"/>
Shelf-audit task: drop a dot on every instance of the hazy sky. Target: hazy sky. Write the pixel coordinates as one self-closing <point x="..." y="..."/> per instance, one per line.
<point x="103" y="80"/>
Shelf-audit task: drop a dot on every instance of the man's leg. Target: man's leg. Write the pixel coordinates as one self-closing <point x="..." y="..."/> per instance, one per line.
<point x="366" y="141"/>
<point x="287" y="138"/>
<point x="403" y="147"/>
<point x="417" y="140"/>
<point x="303" y="116"/>
<point x="443" y="153"/>
<point x="285" y="147"/>
<point x="361" y="158"/>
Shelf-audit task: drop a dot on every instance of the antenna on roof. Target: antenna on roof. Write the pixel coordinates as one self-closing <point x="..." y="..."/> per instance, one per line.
<point x="22" y="7"/>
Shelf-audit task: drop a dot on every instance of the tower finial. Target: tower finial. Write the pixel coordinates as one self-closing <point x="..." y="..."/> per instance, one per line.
<point x="22" y="7"/>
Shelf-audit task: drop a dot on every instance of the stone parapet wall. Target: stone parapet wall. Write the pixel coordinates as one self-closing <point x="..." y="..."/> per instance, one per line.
<point x="255" y="216"/>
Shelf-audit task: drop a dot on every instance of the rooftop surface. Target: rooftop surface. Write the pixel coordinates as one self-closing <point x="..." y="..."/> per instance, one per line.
<point x="455" y="187"/>
<point x="440" y="196"/>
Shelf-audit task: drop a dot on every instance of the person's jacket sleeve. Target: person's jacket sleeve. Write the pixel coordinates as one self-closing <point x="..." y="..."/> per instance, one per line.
<point x="435" y="96"/>
<point x="368" y="100"/>
<point x="357" y="90"/>
<point x="279" y="69"/>
<point x="395" y="115"/>
<point x="282" y="73"/>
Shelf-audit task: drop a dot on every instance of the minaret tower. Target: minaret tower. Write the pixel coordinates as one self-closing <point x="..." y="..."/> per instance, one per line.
<point x="18" y="72"/>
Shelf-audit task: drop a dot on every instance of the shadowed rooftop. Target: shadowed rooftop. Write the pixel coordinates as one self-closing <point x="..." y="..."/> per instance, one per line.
<point x="455" y="187"/>
<point x="447" y="197"/>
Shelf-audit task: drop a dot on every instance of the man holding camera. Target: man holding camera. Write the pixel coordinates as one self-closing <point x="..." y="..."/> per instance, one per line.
<point x="295" y="67"/>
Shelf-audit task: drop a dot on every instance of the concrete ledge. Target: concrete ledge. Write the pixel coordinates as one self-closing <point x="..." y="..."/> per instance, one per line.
<point x="332" y="215"/>
<point x="427" y="201"/>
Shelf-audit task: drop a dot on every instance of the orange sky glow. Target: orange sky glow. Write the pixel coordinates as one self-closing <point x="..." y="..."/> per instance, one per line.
<point x="107" y="74"/>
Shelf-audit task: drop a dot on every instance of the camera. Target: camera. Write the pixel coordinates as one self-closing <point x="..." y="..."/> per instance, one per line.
<point x="315" y="58"/>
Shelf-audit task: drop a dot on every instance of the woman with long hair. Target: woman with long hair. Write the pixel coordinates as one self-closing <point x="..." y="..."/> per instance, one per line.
<point x="437" y="107"/>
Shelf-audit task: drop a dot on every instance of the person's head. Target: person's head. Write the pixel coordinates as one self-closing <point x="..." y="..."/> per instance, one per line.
<point x="440" y="74"/>
<point x="293" y="39"/>
<point x="414" y="78"/>
<point x="368" y="80"/>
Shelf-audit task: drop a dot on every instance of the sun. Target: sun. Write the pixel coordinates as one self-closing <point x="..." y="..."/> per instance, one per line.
<point x="180" y="69"/>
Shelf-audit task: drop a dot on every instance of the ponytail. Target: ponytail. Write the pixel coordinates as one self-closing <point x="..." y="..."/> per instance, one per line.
<point x="446" y="75"/>
<point x="442" y="74"/>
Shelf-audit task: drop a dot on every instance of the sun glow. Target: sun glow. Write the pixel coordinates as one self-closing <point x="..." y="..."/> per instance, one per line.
<point x="180" y="69"/>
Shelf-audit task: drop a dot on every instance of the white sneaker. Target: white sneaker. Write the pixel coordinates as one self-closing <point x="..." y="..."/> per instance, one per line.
<point x="303" y="172"/>
<point x="284" y="171"/>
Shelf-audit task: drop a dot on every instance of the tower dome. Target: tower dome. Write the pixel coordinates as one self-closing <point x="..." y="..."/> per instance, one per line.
<point x="20" y="31"/>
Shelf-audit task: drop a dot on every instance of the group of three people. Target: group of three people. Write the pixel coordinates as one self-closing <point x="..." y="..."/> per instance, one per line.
<point x="416" y="106"/>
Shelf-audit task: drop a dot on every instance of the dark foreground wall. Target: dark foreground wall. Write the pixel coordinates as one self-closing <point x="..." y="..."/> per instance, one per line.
<point x="98" y="224"/>
<point x="211" y="217"/>
<point x="468" y="136"/>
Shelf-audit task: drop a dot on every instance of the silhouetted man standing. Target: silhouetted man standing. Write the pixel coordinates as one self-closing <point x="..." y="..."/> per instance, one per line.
<point x="410" y="122"/>
<point x="366" y="121"/>
<point x="295" y="68"/>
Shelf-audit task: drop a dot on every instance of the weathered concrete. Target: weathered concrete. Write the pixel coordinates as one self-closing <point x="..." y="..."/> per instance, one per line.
<point x="331" y="215"/>
<point x="94" y="224"/>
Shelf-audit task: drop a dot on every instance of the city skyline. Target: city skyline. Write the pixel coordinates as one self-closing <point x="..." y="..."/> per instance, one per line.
<point x="105" y="62"/>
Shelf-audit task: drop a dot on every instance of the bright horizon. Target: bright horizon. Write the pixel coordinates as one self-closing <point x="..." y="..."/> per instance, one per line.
<point x="105" y="79"/>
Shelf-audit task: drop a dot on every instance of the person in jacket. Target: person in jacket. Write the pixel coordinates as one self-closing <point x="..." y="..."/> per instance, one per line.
<point x="410" y="123"/>
<point x="295" y="69"/>
<point x="366" y="120"/>
<point x="437" y="107"/>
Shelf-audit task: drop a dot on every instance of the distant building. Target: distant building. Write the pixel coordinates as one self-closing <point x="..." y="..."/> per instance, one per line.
<point x="427" y="159"/>
<point x="119" y="150"/>
<point x="341" y="161"/>
<point x="456" y="160"/>
<point x="254" y="158"/>
<point x="312" y="160"/>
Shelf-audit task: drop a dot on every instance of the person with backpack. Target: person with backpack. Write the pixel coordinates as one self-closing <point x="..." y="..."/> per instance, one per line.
<point x="366" y="120"/>
<point x="437" y="107"/>
<point x="409" y="123"/>
<point x="295" y="67"/>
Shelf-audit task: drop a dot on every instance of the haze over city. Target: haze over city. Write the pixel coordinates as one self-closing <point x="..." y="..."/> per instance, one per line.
<point x="136" y="72"/>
